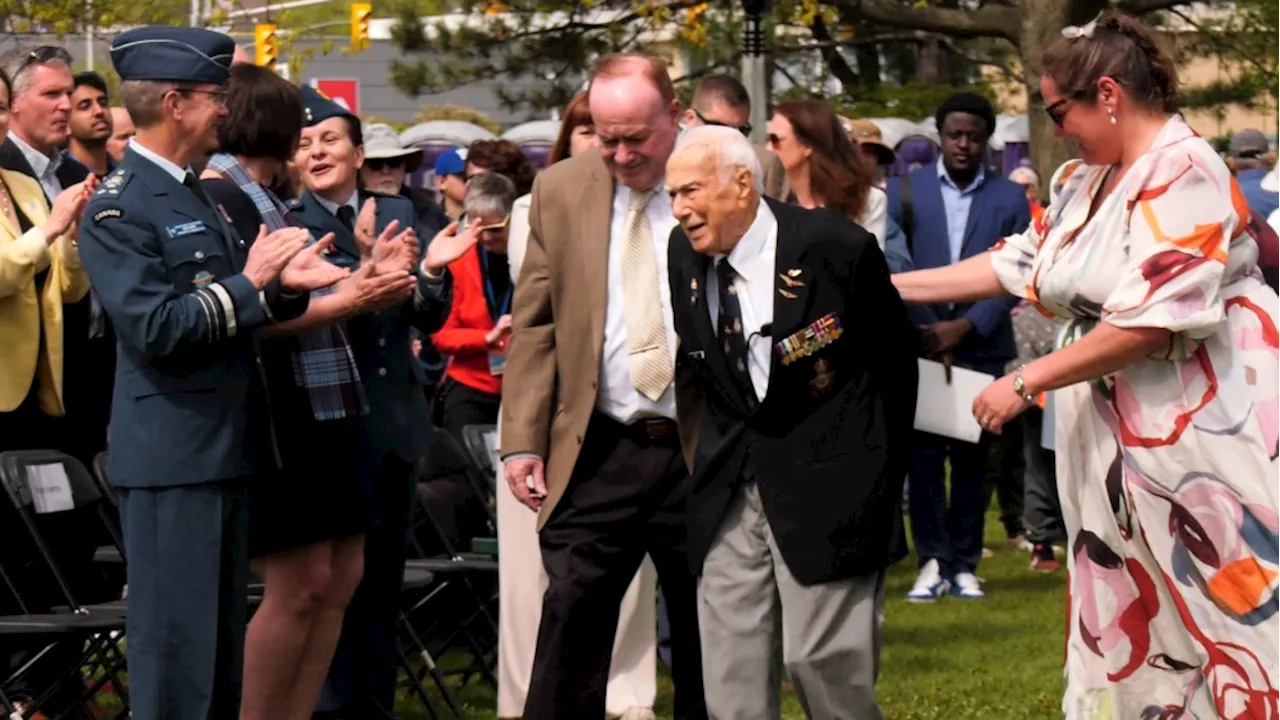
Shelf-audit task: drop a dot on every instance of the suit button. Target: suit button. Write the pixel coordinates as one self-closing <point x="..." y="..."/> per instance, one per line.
<point x="199" y="255"/>
<point x="382" y="372"/>
<point x="382" y="342"/>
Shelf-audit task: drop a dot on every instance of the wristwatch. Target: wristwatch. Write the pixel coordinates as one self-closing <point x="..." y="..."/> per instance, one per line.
<point x="1021" y="388"/>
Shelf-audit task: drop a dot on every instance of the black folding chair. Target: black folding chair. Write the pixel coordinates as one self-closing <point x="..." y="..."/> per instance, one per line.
<point x="57" y="502"/>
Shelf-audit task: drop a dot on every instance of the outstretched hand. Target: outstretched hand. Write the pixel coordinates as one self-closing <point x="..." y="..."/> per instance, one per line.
<point x="308" y="270"/>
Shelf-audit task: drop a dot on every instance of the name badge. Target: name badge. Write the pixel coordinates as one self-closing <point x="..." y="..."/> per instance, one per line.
<point x="191" y="228"/>
<point x="497" y="361"/>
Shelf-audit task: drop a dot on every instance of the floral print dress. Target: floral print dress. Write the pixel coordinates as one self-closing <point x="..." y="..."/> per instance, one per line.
<point x="1167" y="469"/>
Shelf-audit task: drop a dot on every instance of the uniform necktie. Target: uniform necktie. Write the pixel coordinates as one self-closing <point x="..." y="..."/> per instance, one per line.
<point x="194" y="185"/>
<point x="729" y="328"/>
<point x="347" y="216"/>
<point x="648" y="353"/>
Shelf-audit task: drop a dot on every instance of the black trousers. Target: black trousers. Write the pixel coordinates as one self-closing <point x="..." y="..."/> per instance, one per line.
<point x="362" y="679"/>
<point x="457" y="406"/>
<point x="626" y="498"/>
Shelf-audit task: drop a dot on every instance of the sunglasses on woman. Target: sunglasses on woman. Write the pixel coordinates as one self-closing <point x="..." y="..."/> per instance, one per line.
<point x="494" y="227"/>
<point x="1057" y="112"/>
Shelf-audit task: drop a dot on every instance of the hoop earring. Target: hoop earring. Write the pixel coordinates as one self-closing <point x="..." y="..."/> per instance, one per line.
<point x="1111" y="114"/>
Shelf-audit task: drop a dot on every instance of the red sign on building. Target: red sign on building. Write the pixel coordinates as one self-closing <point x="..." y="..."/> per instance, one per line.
<point x="345" y="92"/>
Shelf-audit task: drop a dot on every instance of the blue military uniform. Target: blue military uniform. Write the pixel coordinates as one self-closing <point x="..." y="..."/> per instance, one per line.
<point x="189" y="426"/>
<point x="396" y="432"/>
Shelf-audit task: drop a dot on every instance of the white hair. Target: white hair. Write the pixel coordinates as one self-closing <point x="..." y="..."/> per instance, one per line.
<point x="1026" y="174"/>
<point x="730" y="148"/>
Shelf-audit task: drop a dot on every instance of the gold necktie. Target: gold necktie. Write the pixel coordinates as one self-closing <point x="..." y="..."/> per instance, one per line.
<point x="648" y="353"/>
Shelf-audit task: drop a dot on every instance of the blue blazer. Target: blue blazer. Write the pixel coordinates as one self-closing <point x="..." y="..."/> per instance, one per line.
<point x="998" y="209"/>
<point x="398" y="419"/>
<point x="189" y="403"/>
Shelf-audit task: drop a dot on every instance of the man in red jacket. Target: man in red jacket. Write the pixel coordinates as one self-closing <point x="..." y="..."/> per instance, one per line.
<point x="475" y="335"/>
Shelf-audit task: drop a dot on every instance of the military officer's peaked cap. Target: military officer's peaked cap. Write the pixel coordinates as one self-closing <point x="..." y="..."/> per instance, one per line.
<point x="176" y="54"/>
<point x="316" y="107"/>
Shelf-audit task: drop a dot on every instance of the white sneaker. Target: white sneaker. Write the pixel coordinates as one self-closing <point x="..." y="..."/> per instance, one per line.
<point x="637" y="713"/>
<point x="968" y="586"/>
<point x="930" y="585"/>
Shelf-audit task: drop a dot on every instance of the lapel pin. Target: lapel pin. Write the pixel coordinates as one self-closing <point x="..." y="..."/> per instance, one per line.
<point x="794" y="272"/>
<point x="786" y="294"/>
<point x="789" y="282"/>
<point x="693" y="284"/>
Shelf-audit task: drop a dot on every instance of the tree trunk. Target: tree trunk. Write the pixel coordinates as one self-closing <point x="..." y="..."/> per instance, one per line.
<point x="1042" y="24"/>
<point x="930" y="63"/>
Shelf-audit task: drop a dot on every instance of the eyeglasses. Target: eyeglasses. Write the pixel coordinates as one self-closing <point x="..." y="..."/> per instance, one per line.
<point x="1056" y="111"/>
<point x="744" y="128"/>
<point x="43" y="55"/>
<point x="379" y="164"/>
<point x="217" y="96"/>
<point x="494" y="227"/>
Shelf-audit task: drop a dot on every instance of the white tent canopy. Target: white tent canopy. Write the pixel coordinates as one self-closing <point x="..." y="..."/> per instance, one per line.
<point x="444" y="132"/>
<point x="895" y="130"/>
<point x="536" y="132"/>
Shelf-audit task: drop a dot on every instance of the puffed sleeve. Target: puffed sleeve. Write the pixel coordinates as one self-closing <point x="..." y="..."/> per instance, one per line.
<point x="1180" y="224"/>
<point x="1013" y="257"/>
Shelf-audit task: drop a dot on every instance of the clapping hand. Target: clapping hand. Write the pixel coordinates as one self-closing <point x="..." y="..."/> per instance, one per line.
<point x="365" y="228"/>
<point x="396" y="251"/>
<point x="271" y="252"/>
<point x="449" y="245"/>
<point x="377" y="291"/>
<point x="67" y="207"/>
<point x="308" y="270"/>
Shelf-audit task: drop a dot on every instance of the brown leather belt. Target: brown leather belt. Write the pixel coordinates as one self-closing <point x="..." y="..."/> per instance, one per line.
<point x="655" y="428"/>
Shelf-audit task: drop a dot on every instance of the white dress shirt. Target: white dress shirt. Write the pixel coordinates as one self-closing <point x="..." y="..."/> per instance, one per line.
<point x="45" y="167"/>
<point x="165" y="164"/>
<point x="352" y="202"/>
<point x="618" y="398"/>
<point x="754" y="260"/>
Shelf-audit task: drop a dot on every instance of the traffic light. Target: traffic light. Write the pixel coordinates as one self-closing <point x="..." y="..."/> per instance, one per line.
<point x="361" y="14"/>
<point x="266" y="50"/>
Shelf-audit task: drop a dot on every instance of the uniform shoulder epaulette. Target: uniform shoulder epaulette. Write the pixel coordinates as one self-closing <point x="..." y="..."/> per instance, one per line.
<point x="114" y="182"/>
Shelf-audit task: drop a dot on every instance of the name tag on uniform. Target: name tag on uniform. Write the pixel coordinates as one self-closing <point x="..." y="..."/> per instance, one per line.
<point x="191" y="228"/>
<point x="497" y="361"/>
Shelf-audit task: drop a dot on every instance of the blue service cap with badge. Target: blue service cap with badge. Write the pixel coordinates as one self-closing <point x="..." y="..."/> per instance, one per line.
<point x="175" y="54"/>
<point x="317" y="107"/>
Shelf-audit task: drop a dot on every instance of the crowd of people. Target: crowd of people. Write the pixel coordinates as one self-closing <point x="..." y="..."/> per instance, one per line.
<point x="701" y="356"/>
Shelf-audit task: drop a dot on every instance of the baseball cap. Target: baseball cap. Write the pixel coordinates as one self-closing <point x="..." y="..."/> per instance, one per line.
<point x="452" y="162"/>
<point x="1248" y="143"/>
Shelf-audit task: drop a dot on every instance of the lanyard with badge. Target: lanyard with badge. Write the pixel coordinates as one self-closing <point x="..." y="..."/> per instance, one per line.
<point x="497" y="355"/>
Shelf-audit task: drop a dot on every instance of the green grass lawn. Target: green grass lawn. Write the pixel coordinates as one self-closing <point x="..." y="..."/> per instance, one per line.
<point x="996" y="659"/>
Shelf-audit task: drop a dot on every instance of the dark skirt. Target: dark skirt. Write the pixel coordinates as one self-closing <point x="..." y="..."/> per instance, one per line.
<point x="323" y="492"/>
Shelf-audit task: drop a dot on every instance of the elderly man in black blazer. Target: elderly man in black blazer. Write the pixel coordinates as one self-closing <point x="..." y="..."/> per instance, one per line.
<point x="798" y="355"/>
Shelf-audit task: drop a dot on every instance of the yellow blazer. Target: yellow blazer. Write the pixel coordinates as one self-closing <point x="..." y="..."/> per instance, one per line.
<point x="22" y="360"/>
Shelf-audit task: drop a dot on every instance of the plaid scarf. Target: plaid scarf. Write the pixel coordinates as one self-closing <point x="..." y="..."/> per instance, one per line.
<point x="322" y="361"/>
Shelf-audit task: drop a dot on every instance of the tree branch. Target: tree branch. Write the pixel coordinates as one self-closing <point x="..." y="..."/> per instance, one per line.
<point x="987" y="21"/>
<point x="976" y="59"/>
<point x="831" y="55"/>
<point x="1141" y="7"/>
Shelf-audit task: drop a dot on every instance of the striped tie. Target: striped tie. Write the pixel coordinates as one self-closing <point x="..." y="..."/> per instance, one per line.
<point x="648" y="354"/>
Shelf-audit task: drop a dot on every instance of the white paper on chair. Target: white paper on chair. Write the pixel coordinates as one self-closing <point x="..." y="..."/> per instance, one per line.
<point x="1047" y="439"/>
<point x="50" y="488"/>
<point x="947" y="409"/>
<point x="491" y="447"/>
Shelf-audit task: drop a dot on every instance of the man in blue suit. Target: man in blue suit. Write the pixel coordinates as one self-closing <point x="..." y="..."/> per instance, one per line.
<point x="397" y="428"/>
<point x="957" y="209"/>
<point x="189" y="423"/>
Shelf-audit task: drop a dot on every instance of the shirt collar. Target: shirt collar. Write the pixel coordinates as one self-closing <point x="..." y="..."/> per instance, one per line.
<point x="744" y="256"/>
<point x="945" y="177"/>
<point x="352" y="202"/>
<point x="169" y="166"/>
<point x="40" y="163"/>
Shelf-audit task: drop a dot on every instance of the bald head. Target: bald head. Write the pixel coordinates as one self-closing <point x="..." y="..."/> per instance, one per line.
<point x="241" y="56"/>
<point x="636" y="114"/>
<point x="121" y="132"/>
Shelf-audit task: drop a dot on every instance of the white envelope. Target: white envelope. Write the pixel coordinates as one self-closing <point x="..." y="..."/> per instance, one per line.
<point x="947" y="410"/>
<point x="1047" y="439"/>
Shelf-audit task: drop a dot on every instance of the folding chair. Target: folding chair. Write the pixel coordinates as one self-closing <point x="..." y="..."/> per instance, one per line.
<point x="433" y="622"/>
<point x="107" y="554"/>
<point x="481" y="443"/>
<point x="53" y="496"/>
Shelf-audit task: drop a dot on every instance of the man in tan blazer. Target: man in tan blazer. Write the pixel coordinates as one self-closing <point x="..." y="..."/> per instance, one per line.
<point x="588" y="423"/>
<point x="722" y="100"/>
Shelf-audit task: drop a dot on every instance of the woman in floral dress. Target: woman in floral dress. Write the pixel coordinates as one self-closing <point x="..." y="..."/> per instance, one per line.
<point x="1166" y="402"/>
